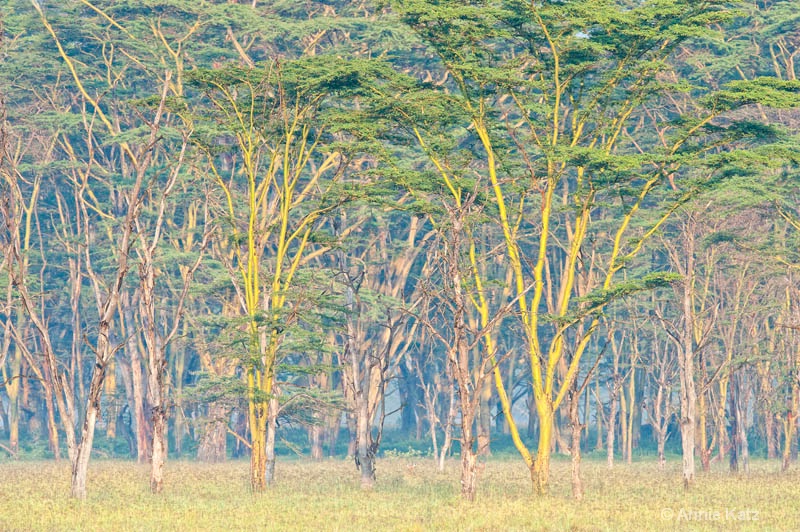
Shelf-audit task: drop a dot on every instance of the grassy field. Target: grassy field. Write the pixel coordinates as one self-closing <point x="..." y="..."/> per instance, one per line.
<point x="410" y="495"/>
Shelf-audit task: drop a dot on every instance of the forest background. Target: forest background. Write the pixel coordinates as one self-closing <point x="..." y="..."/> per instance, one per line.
<point x="418" y="227"/>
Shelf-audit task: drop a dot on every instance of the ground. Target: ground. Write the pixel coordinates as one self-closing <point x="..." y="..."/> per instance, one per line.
<point x="410" y="495"/>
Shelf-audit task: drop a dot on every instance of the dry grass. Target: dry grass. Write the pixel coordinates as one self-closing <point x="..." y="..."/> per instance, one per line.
<point x="326" y="496"/>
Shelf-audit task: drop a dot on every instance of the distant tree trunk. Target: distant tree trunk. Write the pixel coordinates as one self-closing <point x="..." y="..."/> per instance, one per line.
<point x="52" y="428"/>
<point x="485" y="420"/>
<point x="741" y="413"/>
<point x="213" y="439"/>
<point x="790" y="423"/>
<point x="140" y="423"/>
<point x="272" y="426"/>
<point x="575" y="447"/>
<point x="448" y="425"/>
<point x="769" y="428"/>
<point x="111" y="400"/>
<point x="352" y="432"/>
<point x="12" y="380"/>
<point x="315" y="436"/>
<point x="599" y="415"/>
<point x="612" y="423"/>
<point x="334" y="428"/>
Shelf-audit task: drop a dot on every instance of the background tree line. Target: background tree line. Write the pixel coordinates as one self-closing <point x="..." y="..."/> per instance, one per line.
<point x="235" y="229"/>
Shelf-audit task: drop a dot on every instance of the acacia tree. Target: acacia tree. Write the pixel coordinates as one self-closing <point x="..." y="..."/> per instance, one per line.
<point x="275" y="194"/>
<point x="551" y="90"/>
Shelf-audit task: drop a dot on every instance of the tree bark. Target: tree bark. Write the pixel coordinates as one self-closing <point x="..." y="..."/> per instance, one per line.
<point x="213" y="441"/>
<point x="269" y="450"/>
<point x="575" y="448"/>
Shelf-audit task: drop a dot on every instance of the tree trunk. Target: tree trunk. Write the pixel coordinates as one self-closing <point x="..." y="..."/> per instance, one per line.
<point x="132" y="350"/>
<point x="269" y="452"/>
<point x="213" y="441"/>
<point x="703" y="447"/>
<point x="352" y="432"/>
<point x="599" y="414"/>
<point x="52" y="428"/>
<point x="540" y="469"/>
<point x="769" y="428"/>
<point x="469" y="471"/>
<point x="575" y="447"/>
<point x="485" y="420"/>
<point x="159" y="449"/>
<point x="448" y="427"/>
<point x="365" y="460"/>
<point x="612" y="423"/>
<point x="315" y="435"/>
<point x="80" y="462"/>
<point x="735" y="433"/>
<point x="334" y="427"/>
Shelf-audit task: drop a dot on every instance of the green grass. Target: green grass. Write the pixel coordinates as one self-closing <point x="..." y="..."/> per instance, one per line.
<point x="326" y="496"/>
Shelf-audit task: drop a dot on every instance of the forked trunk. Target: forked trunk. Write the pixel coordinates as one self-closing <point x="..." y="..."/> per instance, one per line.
<point x="80" y="464"/>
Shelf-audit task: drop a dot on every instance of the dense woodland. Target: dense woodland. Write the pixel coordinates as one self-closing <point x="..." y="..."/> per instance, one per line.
<point x="323" y="228"/>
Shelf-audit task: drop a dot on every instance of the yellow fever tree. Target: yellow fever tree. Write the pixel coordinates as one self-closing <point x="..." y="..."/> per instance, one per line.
<point x="269" y="153"/>
<point x="553" y="93"/>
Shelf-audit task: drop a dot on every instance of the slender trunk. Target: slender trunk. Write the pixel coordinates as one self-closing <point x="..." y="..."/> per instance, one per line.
<point x="623" y="424"/>
<point x="352" y="432"/>
<point x="790" y="426"/>
<point x="612" y="422"/>
<point x="744" y="449"/>
<point x="686" y="367"/>
<point x="631" y="416"/>
<point x="725" y="392"/>
<point x="599" y="414"/>
<point x="12" y="381"/>
<point x="575" y="448"/>
<point x="448" y="426"/>
<point x="688" y="424"/>
<point x="735" y="433"/>
<point x="137" y="380"/>
<point x="485" y="420"/>
<point x="703" y="447"/>
<point x="111" y="400"/>
<point x="52" y="428"/>
<point x="269" y="451"/>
